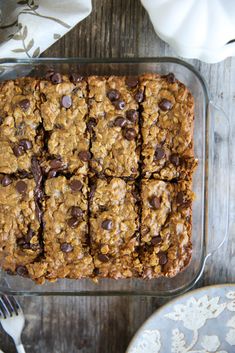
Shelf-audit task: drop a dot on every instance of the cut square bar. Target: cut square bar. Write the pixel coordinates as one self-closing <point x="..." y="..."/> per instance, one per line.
<point x="166" y="227"/>
<point x="114" y="228"/>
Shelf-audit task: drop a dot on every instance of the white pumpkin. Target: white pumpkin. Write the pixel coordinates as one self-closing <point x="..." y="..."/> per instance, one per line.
<point x="202" y="29"/>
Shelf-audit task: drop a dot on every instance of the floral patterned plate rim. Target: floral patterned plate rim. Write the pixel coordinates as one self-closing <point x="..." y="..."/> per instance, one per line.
<point x="200" y="321"/>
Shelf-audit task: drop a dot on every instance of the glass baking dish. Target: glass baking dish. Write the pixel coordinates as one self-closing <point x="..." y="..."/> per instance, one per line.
<point x="210" y="209"/>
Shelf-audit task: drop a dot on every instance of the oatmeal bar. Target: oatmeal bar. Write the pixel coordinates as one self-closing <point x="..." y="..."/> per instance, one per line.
<point x="66" y="247"/>
<point x="167" y="128"/>
<point x="64" y="113"/>
<point x="114" y="228"/>
<point x="113" y="123"/>
<point x="20" y="119"/>
<point x="19" y="225"/>
<point x="166" y="227"/>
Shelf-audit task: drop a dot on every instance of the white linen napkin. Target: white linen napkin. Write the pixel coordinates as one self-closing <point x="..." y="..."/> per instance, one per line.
<point x="28" y="27"/>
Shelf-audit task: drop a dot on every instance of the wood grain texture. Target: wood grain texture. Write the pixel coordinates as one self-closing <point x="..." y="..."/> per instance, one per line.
<point x="121" y="28"/>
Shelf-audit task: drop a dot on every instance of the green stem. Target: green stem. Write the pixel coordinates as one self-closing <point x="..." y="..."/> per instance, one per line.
<point x="26" y="51"/>
<point x="49" y="18"/>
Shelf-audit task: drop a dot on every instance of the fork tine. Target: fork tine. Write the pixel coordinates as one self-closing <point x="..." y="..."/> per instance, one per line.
<point x="3" y="309"/>
<point x="15" y="304"/>
<point x="8" y="302"/>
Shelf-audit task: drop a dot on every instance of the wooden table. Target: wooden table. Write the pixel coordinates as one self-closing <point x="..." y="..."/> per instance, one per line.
<point x="120" y="28"/>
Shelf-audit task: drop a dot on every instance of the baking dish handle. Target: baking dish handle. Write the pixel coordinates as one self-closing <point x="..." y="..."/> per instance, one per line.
<point x="217" y="178"/>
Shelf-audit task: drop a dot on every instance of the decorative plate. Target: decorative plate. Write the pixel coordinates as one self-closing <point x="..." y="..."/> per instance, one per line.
<point x="201" y="321"/>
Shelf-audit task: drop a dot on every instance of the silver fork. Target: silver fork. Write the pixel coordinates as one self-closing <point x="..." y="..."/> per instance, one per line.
<point x="12" y="319"/>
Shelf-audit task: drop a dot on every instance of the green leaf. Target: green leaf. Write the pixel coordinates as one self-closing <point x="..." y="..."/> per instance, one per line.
<point x="17" y="36"/>
<point x="25" y="32"/>
<point x="57" y="36"/>
<point x="36" y="52"/>
<point x="30" y="45"/>
<point x="22" y="2"/>
<point x="19" y="50"/>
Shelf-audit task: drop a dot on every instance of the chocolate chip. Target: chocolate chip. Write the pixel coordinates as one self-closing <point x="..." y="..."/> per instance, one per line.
<point x="43" y="97"/>
<point x="21" y="187"/>
<point x="56" y="164"/>
<point x="103" y="208"/>
<point x="129" y="134"/>
<point x="135" y="194"/>
<point x="26" y="144"/>
<point x="174" y="159"/>
<point x="76" y="185"/>
<point x="52" y="173"/>
<point x="75" y="78"/>
<point x="132" y="115"/>
<point x="1" y="120"/>
<point x="29" y="235"/>
<point x="66" y="247"/>
<point x="96" y="271"/>
<point x="159" y="153"/>
<point x="120" y="121"/>
<point x="156" y="240"/>
<point x="6" y="180"/>
<point x="21" y="242"/>
<point x="24" y="104"/>
<point x="113" y="94"/>
<point x="56" y="78"/>
<point x="119" y="104"/>
<point x="170" y="78"/>
<point x="92" y="191"/>
<point x="139" y="96"/>
<point x="162" y="258"/>
<point x="49" y="74"/>
<point x="165" y="104"/>
<point x="107" y="224"/>
<point x="91" y="124"/>
<point x="22" y="271"/>
<point x="38" y="212"/>
<point x="155" y="202"/>
<point x="84" y="156"/>
<point x="18" y="151"/>
<point x="23" y="174"/>
<point x="180" y="198"/>
<point x="131" y="81"/>
<point x="103" y="258"/>
<point x="73" y="222"/>
<point x="36" y="171"/>
<point x="76" y="211"/>
<point x="66" y="102"/>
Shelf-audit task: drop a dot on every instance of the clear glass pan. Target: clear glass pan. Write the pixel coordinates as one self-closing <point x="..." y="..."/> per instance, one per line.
<point x="210" y="209"/>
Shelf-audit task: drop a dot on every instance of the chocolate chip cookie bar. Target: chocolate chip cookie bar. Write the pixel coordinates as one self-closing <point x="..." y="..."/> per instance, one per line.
<point x="114" y="228"/>
<point x="20" y="125"/>
<point x="64" y="113"/>
<point x="20" y="242"/>
<point x="66" y="247"/>
<point x="113" y="123"/>
<point x="166" y="227"/>
<point x="167" y="128"/>
<point x="95" y="176"/>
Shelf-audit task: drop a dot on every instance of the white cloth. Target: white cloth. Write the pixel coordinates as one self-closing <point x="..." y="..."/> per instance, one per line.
<point x="40" y="24"/>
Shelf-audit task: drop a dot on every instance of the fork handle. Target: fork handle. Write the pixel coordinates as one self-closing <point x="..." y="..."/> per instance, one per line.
<point x="20" y="348"/>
